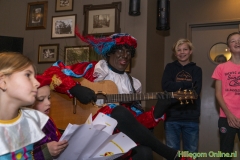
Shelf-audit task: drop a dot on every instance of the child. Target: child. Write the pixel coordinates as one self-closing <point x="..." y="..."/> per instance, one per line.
<point x="49" y="146"/>
<point x="20" y="127"/>
<point x="227" y="90"/>
<point x="182" y="120"/>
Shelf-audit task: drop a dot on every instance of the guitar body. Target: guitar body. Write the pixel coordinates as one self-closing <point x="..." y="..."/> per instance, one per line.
<point x="62" y="106"/>
<point x="107" y="86"/>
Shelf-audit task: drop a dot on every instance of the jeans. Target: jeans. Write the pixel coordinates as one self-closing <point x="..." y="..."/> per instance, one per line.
<point x="188" y="131"/>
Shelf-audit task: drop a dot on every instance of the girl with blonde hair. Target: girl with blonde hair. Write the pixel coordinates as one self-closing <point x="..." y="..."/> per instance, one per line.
<point x="20" y="127"/>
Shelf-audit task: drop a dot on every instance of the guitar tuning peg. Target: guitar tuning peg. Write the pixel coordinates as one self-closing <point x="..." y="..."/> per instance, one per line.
<point x="181" y="102"/>
<point x="192" y="101"/>
<point x="190" y="92"/>
<point x="180" y="99"/>
<point x="179" y="90"/>
<point x="185" y="91"/>
<point x="187" y="102"/>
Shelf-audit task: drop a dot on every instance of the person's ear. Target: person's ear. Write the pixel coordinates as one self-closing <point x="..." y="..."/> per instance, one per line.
<point x="3" y="85"/>
<point x="191" y="52"/>
<point x="228" y="48"/>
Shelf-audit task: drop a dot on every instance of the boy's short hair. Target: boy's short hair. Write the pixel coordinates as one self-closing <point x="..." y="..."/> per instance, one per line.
<point x="230" y="35"/>
<point x="180" y="42"/>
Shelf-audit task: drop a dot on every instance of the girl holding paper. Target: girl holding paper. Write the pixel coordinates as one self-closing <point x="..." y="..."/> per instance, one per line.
<point x="48" y="147"/>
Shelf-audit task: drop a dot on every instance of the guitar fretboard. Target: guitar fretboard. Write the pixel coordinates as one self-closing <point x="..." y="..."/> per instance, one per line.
<point x="111" y="98"/>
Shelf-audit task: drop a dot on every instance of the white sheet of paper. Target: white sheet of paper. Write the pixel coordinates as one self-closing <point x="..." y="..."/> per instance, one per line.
<point x="105" y="120"/>
<point x="94" y="139"/>
<point x="83" y="142"/>
<point x="68" y="132"/>
<point x="106" y="158"/>
<point x="89" y="119"/>
<point x="115" y="144"/>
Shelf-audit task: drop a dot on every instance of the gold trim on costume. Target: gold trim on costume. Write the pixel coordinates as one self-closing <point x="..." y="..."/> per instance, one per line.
<point x="55" y="82"/>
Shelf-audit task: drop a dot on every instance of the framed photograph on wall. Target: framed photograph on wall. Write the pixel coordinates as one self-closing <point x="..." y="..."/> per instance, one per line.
<point x="76" y="54"/>
<point x="37" y="15"/>
<point x="48" y="53"/>
<point x="102" y="19"/>
<point x="63" y="5"/>
<point x="63" y="26"/>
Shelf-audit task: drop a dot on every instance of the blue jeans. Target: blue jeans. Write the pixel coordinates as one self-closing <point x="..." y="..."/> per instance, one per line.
<point x="188" y="131"/>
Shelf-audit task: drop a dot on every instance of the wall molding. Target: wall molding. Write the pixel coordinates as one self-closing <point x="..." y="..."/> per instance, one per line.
<point x="190" y="26"/>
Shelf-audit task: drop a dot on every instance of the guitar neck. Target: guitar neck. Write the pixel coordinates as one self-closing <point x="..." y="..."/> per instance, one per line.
<point x="107" y="92"/>
<point x="111" y="98"/>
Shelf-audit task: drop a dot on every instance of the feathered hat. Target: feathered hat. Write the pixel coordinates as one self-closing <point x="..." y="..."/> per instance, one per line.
<point x="103" y="45"/>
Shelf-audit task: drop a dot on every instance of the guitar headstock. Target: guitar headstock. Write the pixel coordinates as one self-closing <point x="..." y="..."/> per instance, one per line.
<point x="185" y="95"/>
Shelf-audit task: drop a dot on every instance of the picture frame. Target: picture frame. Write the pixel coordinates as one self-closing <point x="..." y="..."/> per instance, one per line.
<point x="48" y="53"/>
<point x="37" y="15"/>
<point x="76" y="54"/>
<point x="102" y="19"/>
<point x="64" y="26"/>
<point x="63" y="5"/>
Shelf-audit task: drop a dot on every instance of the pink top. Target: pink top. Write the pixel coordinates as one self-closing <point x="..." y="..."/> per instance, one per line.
<point x="229" y="74"/>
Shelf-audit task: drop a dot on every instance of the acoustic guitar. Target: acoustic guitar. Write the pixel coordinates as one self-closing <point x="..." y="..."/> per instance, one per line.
<point x="107" y="92"/>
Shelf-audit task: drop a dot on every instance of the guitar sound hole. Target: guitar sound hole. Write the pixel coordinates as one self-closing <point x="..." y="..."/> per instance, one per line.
<point x="101" y="99"/>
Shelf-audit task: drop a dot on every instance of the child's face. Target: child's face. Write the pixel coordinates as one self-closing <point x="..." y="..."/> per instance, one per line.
<point x="183" y="53"/>
<point x="43" y="100"/>
<point x="21" y="87"/>
<point x="234" y="43"/>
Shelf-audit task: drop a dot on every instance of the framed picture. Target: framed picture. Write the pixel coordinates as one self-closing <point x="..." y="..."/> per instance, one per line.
<point x="48" y="53"/>
<point x="102" y="19"/>
<point x="37" y="15"/>
<point x="63" y="26"/>
<point x="64" y="5"/>
<point x="75" y="54"/>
